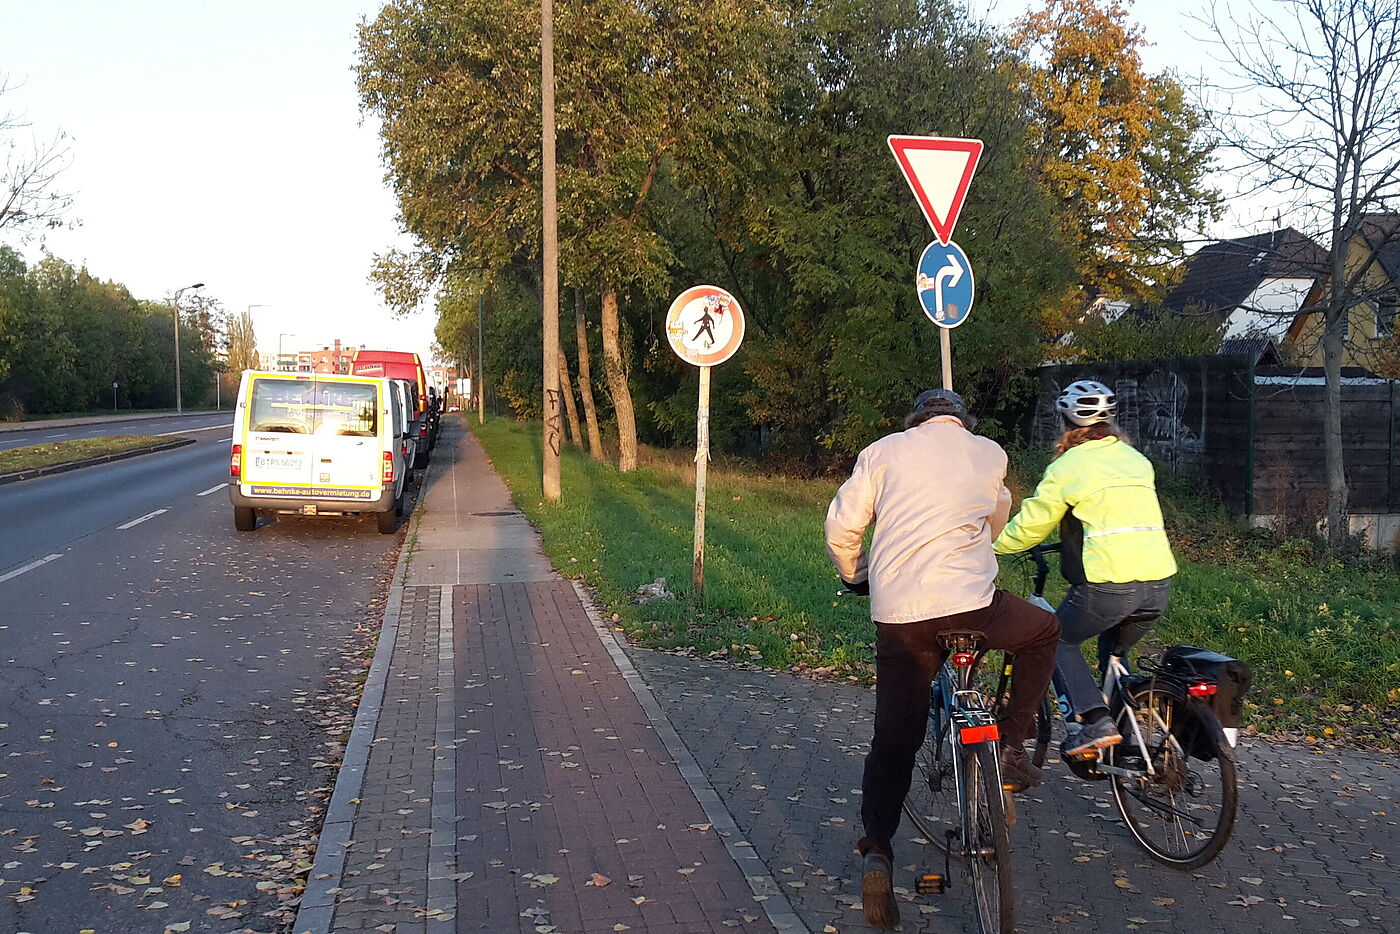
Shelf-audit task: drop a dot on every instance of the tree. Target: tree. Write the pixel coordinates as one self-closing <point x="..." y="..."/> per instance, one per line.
<point x="1149" y="334"/>
<point x="1121" y="149"/>
<point x="30" y="198"/>
<point x="822" y="237"/>
<point x="1322" y="128"/>
<point x="646" y="93"/>
<point x="241" y="343"/>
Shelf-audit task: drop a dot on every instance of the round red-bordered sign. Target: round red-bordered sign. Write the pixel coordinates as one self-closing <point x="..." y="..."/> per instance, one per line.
<point x="705" y="325"/>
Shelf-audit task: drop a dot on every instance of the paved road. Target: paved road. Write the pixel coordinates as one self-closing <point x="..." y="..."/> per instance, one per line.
<point x="172" y="694"/>
<point x="16" y="436"/>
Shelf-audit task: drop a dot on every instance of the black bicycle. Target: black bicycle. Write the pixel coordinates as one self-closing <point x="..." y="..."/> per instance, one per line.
<point x="1173" y="776"/>
<point x="957" y="800"/>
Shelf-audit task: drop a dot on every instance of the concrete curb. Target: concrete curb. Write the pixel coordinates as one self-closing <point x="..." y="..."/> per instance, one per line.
<point x="19" y="475"/>
<point x="317" y="908"/>
<point x="765" y="888"/>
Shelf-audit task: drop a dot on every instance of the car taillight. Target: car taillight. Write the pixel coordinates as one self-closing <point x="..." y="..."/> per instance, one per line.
<point x="235" y="461"/>
<point x="388" y="466"/>
<point x="1202" y="689"/>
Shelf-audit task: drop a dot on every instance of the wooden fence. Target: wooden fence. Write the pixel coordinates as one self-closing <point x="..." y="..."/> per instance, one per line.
<point x="1252" y="437"/>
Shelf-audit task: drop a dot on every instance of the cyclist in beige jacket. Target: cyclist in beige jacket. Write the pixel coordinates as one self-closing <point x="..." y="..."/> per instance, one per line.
<point x="937" y="497"/>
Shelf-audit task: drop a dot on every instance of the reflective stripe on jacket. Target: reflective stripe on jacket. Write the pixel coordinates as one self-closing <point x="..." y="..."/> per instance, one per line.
<point x="937" y="496"/>
<point x="1105" y="491"/>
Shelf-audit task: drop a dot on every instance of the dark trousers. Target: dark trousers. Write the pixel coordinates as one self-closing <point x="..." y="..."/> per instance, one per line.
<point x="908" y="657"/>
<point x="1120" y="615"/>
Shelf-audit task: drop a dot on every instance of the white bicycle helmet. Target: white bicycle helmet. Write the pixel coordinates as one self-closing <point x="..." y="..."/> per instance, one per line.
<point x="1087" y="402"/>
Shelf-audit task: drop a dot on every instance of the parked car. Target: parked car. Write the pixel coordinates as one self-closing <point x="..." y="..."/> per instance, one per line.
<point x="314" y="445"/>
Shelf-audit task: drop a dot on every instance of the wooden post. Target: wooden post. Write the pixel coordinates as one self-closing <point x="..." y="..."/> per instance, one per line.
<point x="702" y="459"/>
<point x="945" y="347"/>
<point x="553" y="418"/>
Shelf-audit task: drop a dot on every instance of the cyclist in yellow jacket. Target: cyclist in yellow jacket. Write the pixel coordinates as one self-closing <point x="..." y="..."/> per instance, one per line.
<point x="1101" y="493"/>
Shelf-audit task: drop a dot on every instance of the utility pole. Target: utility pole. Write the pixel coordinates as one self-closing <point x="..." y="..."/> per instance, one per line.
<point x="480" y="363"/>
<point x="553" y="423"/>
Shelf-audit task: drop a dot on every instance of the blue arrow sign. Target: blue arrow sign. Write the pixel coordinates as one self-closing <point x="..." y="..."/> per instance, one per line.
<point x="945" y="285"/>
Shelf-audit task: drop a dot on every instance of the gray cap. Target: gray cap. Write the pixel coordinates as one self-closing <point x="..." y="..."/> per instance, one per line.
<point x="940" y="400"/>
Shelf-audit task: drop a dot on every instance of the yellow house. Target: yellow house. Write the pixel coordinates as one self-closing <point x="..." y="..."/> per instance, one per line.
<point x="1370" y="330"/>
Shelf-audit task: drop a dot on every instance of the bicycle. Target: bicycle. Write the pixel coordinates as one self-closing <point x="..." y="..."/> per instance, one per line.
<point x="957" y="800"/>
<point x="964" y="812"/>
<point x="1175" y="757"/>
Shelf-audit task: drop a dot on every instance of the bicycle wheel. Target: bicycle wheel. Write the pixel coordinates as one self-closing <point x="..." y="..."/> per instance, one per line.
<point x="989" y="863"/>
<point x="932" y="801"/>
<point x="1184" y="812"/>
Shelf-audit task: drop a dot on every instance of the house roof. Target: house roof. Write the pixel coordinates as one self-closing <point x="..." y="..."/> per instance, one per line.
<point x="1222" y="275"/>
<point x="1382" y="233"/>
<point x="1260" y="350"/>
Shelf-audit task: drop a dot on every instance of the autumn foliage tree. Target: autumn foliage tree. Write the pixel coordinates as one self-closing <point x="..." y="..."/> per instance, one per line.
<point x="1121" y="149"/>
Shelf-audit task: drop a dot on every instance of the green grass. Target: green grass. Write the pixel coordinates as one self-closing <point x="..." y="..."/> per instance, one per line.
<point x="63" y="452"/>
<point x="1322" y="636"/>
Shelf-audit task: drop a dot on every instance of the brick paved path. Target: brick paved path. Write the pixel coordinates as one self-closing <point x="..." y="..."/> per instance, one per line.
<point x="516" y="781"/>
<point x="1315" y="847"/>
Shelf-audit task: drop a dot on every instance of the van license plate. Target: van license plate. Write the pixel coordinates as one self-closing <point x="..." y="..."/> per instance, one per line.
<point x="277" y="463"/>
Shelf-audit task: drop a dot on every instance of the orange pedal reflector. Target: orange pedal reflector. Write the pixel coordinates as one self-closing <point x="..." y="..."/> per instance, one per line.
<point x="979" y="734"/>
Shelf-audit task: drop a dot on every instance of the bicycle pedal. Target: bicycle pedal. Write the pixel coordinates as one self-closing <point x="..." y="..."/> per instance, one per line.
<point x="932" y="884"/>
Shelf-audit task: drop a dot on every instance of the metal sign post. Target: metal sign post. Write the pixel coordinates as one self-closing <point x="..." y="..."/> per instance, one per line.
<point x="702" y="461"/>
<point x="705" y="326"/>
<point x="939" y="171"/>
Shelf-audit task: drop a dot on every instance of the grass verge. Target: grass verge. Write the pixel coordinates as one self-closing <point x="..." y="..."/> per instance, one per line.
<point x="1323" y="637"/>
<point x="35" y="456"/>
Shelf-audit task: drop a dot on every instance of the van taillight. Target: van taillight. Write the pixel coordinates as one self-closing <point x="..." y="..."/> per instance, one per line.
<point x="235" y="461"/>
<point x="388" y="466"/>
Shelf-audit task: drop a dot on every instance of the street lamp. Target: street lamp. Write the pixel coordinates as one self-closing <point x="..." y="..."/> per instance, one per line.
<point x="179" y="405"/>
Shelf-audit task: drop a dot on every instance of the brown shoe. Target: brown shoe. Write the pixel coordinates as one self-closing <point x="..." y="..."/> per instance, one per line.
<point x="877" y="892"/>
<point x="1017" y="771"/>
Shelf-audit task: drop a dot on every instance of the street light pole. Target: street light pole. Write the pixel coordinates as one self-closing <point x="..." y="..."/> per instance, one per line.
<point x="179" y="404"/>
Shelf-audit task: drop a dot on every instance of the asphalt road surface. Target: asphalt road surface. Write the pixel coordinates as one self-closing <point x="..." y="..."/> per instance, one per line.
<point x="172" y="694"/>
<point x="193" y="425"/>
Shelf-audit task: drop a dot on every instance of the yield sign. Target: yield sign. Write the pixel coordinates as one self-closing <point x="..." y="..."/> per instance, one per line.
<point x="938" y="169"/>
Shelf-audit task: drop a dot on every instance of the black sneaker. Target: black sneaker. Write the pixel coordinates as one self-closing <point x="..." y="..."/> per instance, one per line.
<point x="1017" y="771"/>
<point x="1096" y="734"/>
<point x="877" y="892"/>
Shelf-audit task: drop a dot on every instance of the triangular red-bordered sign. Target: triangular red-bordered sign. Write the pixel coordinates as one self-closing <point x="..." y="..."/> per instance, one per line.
<point x="938" y="170"/>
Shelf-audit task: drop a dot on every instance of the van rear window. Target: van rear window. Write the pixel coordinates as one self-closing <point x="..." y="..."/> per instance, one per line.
<point x="310" y="407"/>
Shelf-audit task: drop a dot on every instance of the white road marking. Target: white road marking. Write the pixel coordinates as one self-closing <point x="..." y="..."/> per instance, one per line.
<point x="29" y="567"/>
<point x="149" y="515"/>
<point x="186" y="431"/>
<point x="61" y="434"/>
<point x="212" y="489"/>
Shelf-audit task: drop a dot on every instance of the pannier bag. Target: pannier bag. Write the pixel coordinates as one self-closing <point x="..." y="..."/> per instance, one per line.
<point x="1230" y="676"/>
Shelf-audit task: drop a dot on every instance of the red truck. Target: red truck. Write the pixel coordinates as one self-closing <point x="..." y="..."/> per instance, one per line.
<point x="396" y="364"/>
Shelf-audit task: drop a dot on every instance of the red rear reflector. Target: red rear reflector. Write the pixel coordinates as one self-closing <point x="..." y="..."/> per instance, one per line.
<point x="964" y="659"/>
<point x="235" y="461"/>
<point x="388" y="466"/>
<point x="1202" y="689"/>
<point x="979" y="734"/>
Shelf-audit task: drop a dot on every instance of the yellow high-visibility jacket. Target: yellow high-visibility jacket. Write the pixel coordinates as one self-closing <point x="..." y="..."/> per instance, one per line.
<point x="1103" y="495"/>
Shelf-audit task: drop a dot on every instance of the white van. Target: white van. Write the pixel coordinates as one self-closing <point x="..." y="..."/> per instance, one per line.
<point x="403" y="393"/>
<point x="314" y="444"/>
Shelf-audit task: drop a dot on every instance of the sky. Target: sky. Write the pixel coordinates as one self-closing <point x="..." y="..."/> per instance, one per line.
<point x="223" y="143"/>
<point x="219" y="143"/>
